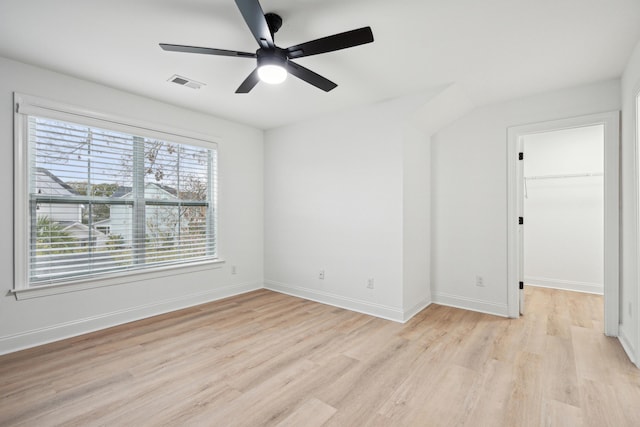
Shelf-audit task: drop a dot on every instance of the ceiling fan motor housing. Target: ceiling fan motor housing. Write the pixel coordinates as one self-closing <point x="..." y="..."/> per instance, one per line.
<point x="275" y="56"/>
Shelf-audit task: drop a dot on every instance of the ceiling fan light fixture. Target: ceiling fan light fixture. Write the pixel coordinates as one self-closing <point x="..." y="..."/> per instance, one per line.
<point x="272" y="67"/>
<point x="272" y="74"/>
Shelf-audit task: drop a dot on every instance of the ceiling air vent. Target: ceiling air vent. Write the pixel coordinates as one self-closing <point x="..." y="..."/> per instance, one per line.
<point x="183" y="81"/>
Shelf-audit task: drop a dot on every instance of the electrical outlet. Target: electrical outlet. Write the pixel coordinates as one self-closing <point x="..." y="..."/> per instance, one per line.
<point x="370" y="283"/>
<point x="234" y="269"/>
<point x="321" y="275"/>
<point x="479" y="281"/>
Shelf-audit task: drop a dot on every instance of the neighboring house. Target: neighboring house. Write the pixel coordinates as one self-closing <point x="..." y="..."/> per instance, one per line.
<point x="161" y="221"/>
<point x="84" y="234"/>
<point x="69" y="216"/>
<point x="48" y="184"/>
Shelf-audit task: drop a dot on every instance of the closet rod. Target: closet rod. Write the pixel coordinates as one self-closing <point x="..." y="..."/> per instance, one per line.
<point x="568" y="175"/>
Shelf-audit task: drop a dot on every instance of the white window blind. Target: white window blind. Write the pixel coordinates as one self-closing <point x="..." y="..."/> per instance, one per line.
<point x="104" y="201"/>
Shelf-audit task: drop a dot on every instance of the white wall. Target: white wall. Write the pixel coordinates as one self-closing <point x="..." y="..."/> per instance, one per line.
<point x="335" y="191"/>
<point x="469" y="192"/>
<point x="629" y="295"/>
<point x="564" y="217"/>
<point x="29" y="322"/>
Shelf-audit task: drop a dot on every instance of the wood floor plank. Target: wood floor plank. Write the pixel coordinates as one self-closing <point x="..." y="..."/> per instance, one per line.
<point x="600" y="406"/>
<point x="312" y="413"/>
<point x="424" y="397"/>
<point x="489" y="396"/>
<point x="476" y="349"/>
<point x="267" y="359"/>
<point x="524" y="407"/>
<point x="559" y="376"/>
<point x="556" y="413"/>
<point x="369" y="381"/>
<point x="416" y="389"/>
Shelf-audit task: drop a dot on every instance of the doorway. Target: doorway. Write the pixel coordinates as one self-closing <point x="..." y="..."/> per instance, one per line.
<point x="608" y="125"/>
<point x="564" y="209"/>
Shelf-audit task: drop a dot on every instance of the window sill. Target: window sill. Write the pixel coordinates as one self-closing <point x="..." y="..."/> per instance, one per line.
<point x="114" y="280"/>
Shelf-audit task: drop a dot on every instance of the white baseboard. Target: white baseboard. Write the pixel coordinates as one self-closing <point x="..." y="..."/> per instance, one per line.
<point x="408" y="314"/>
<point x="360" y="306"/>
<point x="472" y="304"/>
<point x="566" y="285"/>
<point x="35" y="337"/>
<point x="628" y="347"/>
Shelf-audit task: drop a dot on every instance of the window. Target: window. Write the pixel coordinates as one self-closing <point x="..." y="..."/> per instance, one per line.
<point x="102" y="197"/>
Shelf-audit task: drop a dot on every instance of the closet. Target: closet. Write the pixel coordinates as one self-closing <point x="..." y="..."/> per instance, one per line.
<point x="564" y="209"/>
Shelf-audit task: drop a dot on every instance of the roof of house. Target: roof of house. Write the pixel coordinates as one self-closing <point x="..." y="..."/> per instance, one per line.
<point x="57" y="180"/>
<point x="123" y="191"/>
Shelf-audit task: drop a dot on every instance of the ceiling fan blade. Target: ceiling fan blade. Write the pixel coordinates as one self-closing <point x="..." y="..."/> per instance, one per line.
<point x="254" y="17"/>
<point x="205" y="50"/>
<point x="249" y="83"/>
<point x="329" y="44"/>
<point x="310" y="77"/>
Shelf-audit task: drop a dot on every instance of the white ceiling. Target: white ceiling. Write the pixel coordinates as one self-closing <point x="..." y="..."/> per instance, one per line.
<point x="493" y="49"/>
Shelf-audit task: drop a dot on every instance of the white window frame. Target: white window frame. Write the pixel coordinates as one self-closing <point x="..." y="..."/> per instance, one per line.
<point x="28" y="105"/>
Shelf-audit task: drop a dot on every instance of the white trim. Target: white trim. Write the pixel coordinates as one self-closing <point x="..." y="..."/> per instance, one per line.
<point x="566" y="285"/>
<point x="471" y="304"/>
<point x="40" y="336"/>
<point x="121" y="278"/>
<point x="360" y="306"/>
<point x="634" y="317"/>
<point x="35" y="105"/>
<point x="627" y="345"/>
<point x="611" y="122"/>
<point x="612" y="214"/>
<point x="20" y="204"/>
<point x="636" y="240"/>
<point x="408" y="314"/>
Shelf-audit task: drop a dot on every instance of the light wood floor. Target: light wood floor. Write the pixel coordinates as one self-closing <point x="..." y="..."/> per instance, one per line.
<point x="269" y="359"/>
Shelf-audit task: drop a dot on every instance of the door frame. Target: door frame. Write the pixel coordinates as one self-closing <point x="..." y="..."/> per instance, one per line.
<point x="611" y="122"/>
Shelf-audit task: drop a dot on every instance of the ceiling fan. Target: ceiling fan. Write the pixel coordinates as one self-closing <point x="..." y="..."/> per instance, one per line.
<point x="273" y="62"/>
